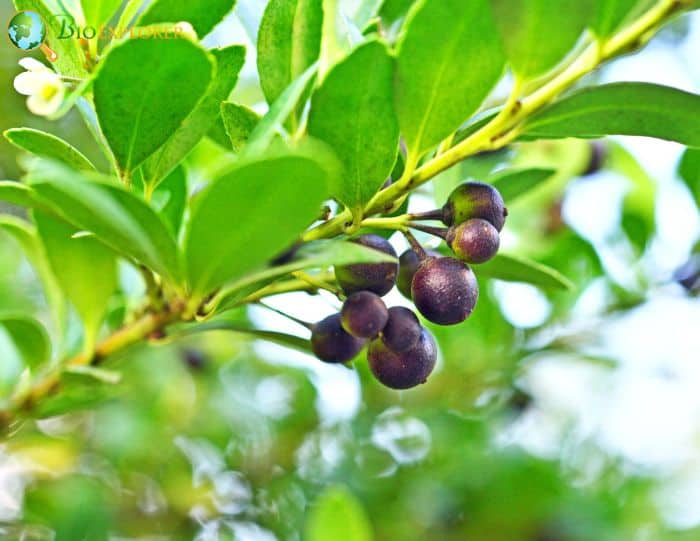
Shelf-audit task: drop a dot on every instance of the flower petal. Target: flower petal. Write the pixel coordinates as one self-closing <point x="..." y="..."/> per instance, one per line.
<point x="27" y="83"/>
<point x="31" y="64"/>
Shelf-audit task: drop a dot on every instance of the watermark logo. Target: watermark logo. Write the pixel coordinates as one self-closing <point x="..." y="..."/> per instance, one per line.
<point x="27" y="32"/>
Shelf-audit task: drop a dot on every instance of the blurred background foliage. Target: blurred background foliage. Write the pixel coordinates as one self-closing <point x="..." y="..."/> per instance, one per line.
<point x="564" y="416"/>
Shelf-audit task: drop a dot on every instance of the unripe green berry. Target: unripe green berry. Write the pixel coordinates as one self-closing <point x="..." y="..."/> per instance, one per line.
<point x="402" y="329"/>
<point x="475" y="200"/>
<point x="444" y="290"/>
<point x="378" y="278"/>
<point x="474" y="241"/>
<point x="406" y="369"/>
<point x="364" y="314"/>
<point x="331" y="343"/>
<point x="408" y="265"/>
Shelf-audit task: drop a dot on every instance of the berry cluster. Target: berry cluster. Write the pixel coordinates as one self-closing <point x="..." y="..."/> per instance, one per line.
<point x="401" y="353"/>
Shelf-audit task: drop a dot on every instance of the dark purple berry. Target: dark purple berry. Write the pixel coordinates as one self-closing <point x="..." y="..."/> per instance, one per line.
<point x="597" y="159"/>
<point x="331" y="343"/>
<point x="408" y="265"/>
<point x="444" y="290"/>
<point x="688" y="275"/>
<point x="194" y="359"/>
<point x="406" y="369"/>
<point x="474" y="241"/>
<point x="475" y="200"/>
<point x="402" y="329"/>
<point x="378" y="278"/>
<point x="364" y="314"/>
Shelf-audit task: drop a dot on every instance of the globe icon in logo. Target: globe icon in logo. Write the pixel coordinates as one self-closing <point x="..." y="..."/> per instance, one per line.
<point x="26" y="30"/>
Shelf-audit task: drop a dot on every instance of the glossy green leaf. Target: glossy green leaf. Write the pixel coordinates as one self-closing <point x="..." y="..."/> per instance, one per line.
<point x="611" y="14"/>
<point x="116" y="217"/>
<point x="513" y="268"/>
<point x="26" y="236"/>
<point x="229" y="62"/>
<point x="621" y="109"/>
<point x="98" y="12"/>
<point x="449" y="59"/>
<point x="315" y="255"/>
<point x="16" y="193"/>
<point x="232" y="322"/>
<point x="514" y="183"/>
<point x="689" y="171"/>
<point x="86" y="271"/>
<point x="144" y="91"/>
<point x="353" y="113"/>
<point x="29" y="337"/>
<point x="393" y="10"/>
<point x="170" y="200"/>
<point x="239" y="122"/>
<point x="99" y="374"/>
<point x="251" y="214"/>
<point x="70" y="57"/>
<point x="337" y="514"/>
<point x="203" y="15"/>
<point x="272" y="122"/>
<point x="289" y="41"/>
<point x="48" y="146"/>
<point x="523" y="25"/>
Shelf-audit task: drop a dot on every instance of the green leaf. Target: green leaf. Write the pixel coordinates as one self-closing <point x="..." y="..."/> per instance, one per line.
<point x="144" y="91"/>
<point x="314" y="255"/>
<point x="513" y="268"/>
<point x="29" y="337"/>
<point x="611" y="14"/>
<point x="86" y="271"/>
<point x="100" y="374"/>
<point x="71" y="59"/>
<point x="337" y="514"/>
<point x="273" y="120"/>
<point x="239" y="122"/>
<point x="98" y="12"/>
<point x="203" y="15"/>
<point x="353" y="112"/>
<point x="523" y="25"/>
<point x="231" y="321"/>
<point x="639" y="203"/>
<point x="197" y="124"/>
<point x="251" y="214"/>
<point x="621" y="109"/>
<point x="392" y="10"/>
<point x="514" y="183"/>
<point x="116" y="217"/>
<point x="170" y="200"/>
<point x="49" y="146"/>
<point x="289" y="41"/>
<point x="16" y="193"/>
<point x="26" y="236"/>
<point x="449" y="59"/>
<point x="689" y="171"/>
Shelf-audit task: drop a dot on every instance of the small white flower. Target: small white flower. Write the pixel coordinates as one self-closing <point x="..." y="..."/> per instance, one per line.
<point x="43" y="86"/>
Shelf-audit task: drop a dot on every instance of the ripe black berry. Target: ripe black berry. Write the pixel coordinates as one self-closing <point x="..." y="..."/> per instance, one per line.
<point x="378" y="278"/>
<point x="403" y="370"/>
<point x="402" y="329"/>
<point x="475" y="200"/>
<point x="331" y="343"/>
<point x="408" y="265"/>
<point x="444" y="290"/>
<point x="364" y="314"/>
<point x="474" y="241"/>
<point x="597" y="159"/>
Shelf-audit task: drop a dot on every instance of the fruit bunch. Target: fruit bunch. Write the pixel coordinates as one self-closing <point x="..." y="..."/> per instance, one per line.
<point x="401" y="352"/>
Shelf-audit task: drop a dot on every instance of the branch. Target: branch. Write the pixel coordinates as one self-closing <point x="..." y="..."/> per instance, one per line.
<point x="503" y="128"/>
